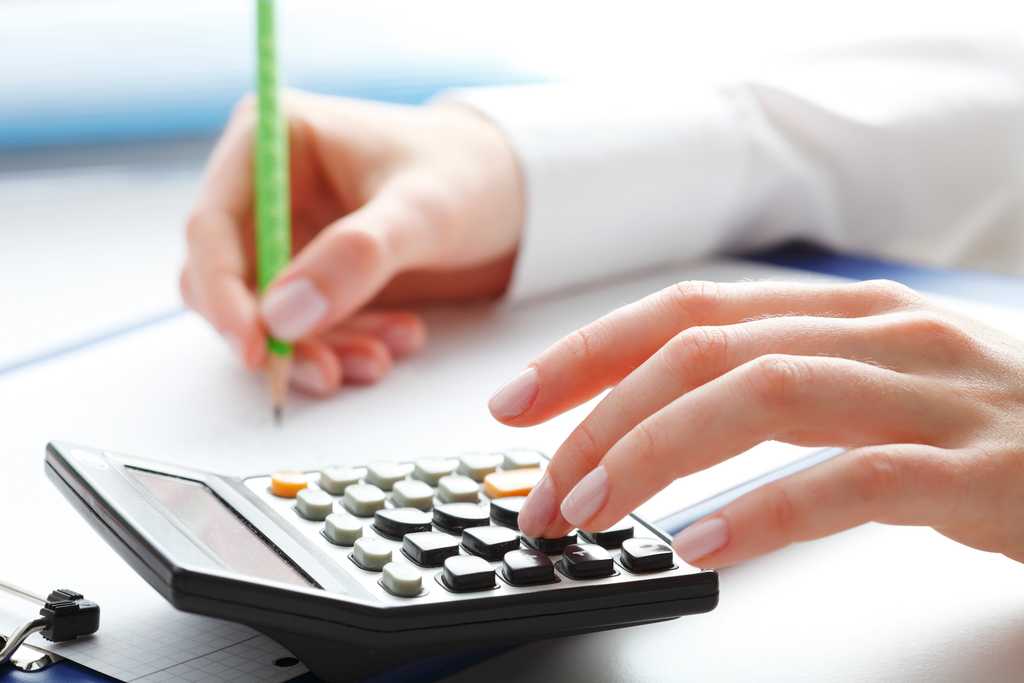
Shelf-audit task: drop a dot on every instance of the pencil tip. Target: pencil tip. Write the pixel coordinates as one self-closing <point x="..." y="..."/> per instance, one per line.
<point x="278" y="415"/>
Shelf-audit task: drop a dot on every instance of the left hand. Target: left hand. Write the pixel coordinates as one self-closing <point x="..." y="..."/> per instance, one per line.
<point x="930" y="406"/>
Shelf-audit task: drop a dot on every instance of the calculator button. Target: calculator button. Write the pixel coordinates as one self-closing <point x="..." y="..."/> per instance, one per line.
<point x="586" y="561"/>
<point x="288" y="483"/>
<point x="455" y="517"/>
<point x="511" y="483"/>
<point x="335" y="480"/>
<point x="385" y="474"/>
<point x="371" y="553"/>
<point x="398" y="522"/>
<point x="646" y="555"/>
<point x="430" y="548"/>
<point x="402" y="580"/>
<point x="456" y="488"/>
<point x="342" y="528"/>
<point x="517" y="459"/>
<point x="490" y="542"/>
<point x="313" y="504"/>
<point x="551" y="546"/>
<point x="613" y="536"/>
<point x="430" y="470"/>
<point x="476" y="466"/>
<point x="362" y="500"/>
<point x="412" y="494"/>
<point x="467" y="573"/>
<point x="505" y="511"/>
<point x="525" y="567"/>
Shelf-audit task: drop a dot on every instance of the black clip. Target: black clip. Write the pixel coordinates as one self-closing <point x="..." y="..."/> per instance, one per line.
<point x="65" y="615"/>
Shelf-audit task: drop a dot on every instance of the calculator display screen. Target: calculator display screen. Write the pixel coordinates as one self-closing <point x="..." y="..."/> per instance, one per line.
<point x="219" y="528"/>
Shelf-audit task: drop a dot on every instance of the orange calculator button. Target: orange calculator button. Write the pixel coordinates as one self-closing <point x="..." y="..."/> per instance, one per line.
<point x="511" y="482"/>
<point x="287" y="483"/>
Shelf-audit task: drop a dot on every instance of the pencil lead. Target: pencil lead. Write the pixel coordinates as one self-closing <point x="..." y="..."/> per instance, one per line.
<point x="278" y="415"/>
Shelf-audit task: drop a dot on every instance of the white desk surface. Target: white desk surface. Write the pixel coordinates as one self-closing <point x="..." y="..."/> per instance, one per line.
<point x="875" y="603"/>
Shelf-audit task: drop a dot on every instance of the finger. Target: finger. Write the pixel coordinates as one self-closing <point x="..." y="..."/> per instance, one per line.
<point x="899" y="341"/>
<point x="364" y="358"/>
<point x="598" y="355"/>
<point x="894" y="484"/>
<point x="810" y="401"/>
<point x="402" y="332"/>
<point x="315" y="369"/>
<point x="347" y="264"/>
<point x="216" y="263"/>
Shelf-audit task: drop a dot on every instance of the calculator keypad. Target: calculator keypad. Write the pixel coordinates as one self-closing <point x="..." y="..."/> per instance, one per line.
<point x="453" y="521"/>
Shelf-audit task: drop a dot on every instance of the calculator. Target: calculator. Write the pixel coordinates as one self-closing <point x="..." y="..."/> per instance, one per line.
<point x="358" y="570"/>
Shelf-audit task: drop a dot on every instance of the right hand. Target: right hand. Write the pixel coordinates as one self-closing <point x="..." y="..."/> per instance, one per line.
<point x="391" y="206"/>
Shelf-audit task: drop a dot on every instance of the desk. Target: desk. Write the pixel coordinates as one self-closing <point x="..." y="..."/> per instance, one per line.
<point x="908" y="617"/>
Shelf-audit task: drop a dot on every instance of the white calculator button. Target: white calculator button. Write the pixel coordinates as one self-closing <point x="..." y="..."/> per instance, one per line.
<point x="313" y="504"/>
<point x="476" y="466"/>
<point x="456" y="488"/>
<point x="371" y="553"/>
<point x="362" y="500"/>
<point x="335" y="480"/>
<point x="342" y="528"/>
<point x="409" y="493"/>
<point x="430" y="470"/>
<point x="402" y="580"/>
<point x="518" y="459"/>
<point x="385" y="474"/>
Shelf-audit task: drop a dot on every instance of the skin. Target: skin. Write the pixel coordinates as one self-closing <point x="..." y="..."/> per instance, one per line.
<point x="394" y="206"/>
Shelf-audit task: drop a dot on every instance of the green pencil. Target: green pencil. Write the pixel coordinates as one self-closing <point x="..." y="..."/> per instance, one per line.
<point x="273" y="204"/>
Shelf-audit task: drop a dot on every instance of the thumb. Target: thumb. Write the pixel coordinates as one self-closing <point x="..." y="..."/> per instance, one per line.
<point x="342" y="269"/>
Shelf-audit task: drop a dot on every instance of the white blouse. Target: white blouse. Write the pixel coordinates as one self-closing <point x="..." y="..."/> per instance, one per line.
<point x="913" y="151"/>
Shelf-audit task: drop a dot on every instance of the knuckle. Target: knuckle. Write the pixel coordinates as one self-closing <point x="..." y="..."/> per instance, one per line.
<point x="693" y="299"/>
<point x="889" y="293"/>
<point x="775" y="381"/>
<point x="245" y="106"/>
<point x="359" y="247"/>
<point x="702" y="349"/>
<point x="780" y="511"/>
<point x="931" y="329"/>
<point x="581" y="448"/>
<point x="582" y="343"/>
<point x="195" y="227"/>
<point x="644" y="451"/>
<point x="876" y="474"/>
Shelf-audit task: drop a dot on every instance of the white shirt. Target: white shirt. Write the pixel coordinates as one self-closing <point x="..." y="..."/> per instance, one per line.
<point x="913" y="151"/>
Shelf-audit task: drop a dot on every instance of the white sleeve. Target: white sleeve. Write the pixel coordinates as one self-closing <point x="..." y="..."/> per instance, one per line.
<point x="912" y="151"/>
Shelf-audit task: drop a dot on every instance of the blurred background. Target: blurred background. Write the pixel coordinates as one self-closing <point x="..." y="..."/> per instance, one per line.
<point x="108" y="108"/>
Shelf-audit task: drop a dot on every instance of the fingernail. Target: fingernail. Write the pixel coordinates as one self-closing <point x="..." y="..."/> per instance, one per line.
<point x="538" y="510"/>
<point x="514" y="398"/>
<point x="402" y="338"/>
<point x="586" y="498"/>
<point x="360" y="368"/>
<point x="701" y="539"/>
<point x="293" y="309"/>
<point x="307" y="376"/>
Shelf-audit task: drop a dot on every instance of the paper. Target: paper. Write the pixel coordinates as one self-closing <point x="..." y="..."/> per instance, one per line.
<point x="172" y="392"/>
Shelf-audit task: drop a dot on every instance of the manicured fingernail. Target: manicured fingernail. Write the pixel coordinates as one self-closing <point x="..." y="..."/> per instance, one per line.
<point x="586" y="498"/>
<point x="360" y="368"/>
<point x="539" y="509"/>
<point x="307" y="376"/>
<point x="701" y="539"/>
<point x="293" y="309"/>
<point x="402" y="339"/>
<point x="514" y="398"/>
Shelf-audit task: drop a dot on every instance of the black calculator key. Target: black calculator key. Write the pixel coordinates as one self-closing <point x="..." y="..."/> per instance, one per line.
<point x="505" y="511"/>
<point x="611" y="537"/>
<point x="526" y="567"/>
<point x="467" y="573"/>
<point x="490" y="542"/>
<point x="455" y="517"/>
<point x="586" y="561"/>
<point x="551" y="546"/>
<point x="397" y="522"/>
<point x="646" y="555"/>
<point x="429" y="548"/>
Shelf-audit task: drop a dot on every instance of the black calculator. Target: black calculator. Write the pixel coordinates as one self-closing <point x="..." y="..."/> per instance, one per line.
<point x="359" y="570"/>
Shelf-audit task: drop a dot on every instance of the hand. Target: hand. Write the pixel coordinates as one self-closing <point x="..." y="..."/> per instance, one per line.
<point x="391" y="206"/>
<point x="930" y="406"/>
